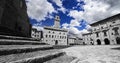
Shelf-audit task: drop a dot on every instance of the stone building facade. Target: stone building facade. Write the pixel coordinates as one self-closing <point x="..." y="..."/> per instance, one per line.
<point x="14" y="20"/>
<point x="71" y="41"/>
<point x="36" y="34"/>
<point x="88" y="40"/>
<point x="104" y="32"/>
<point x="54" y="35"/>
<point x="79" y="41"/>
<point x="75" y="41"/>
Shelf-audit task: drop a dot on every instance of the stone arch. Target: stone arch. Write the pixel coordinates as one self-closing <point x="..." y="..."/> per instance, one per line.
<point x="107" y="41"/>
<point x="98" y="42"/>
<point x="118" y="40"/>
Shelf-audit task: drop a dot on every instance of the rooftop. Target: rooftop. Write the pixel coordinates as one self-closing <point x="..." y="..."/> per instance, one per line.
<point x="105" y="20"/>
<point x="56" y="29"/>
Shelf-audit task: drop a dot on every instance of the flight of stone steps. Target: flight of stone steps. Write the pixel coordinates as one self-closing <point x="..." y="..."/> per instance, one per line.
<point x="12" y="40"/>
<point x="26" y="50"/>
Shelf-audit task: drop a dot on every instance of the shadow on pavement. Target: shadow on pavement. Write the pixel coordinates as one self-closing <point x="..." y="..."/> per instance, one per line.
<point x="117" y="48"/>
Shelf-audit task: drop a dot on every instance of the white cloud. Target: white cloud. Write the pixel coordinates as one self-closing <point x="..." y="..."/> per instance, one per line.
<point x="96" y="10"/>
<point x="65" y="25"/>
<point x="76" y="14"/>
<point x="74" y="30"/>
<point x="74" y="23"/>
<point x="88" y="27"/>
<point x="38" y="9"/>
<point x="59" y="3"/>
<point x="39" y="28"/>
<point x="84" y="31"/>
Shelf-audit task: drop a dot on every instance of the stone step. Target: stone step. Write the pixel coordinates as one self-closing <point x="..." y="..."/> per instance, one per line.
<point x="17" y="38"/>
<point x="14" y="40"/>
<point x="32" y="57"/>
<point x="19" y="42"/>
<point x="61" y="46"/>
<point x="15" y="49"/>
<point x="62" y="59"/>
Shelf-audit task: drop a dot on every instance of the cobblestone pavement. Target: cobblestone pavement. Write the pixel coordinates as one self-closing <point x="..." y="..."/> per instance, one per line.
<point x="95" y="54"/>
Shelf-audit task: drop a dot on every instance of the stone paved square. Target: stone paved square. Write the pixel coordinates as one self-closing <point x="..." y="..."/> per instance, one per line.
<point x="95" y="54"/>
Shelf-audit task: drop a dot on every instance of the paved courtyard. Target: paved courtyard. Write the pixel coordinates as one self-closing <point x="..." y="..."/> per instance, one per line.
<point x="95" y="54"/>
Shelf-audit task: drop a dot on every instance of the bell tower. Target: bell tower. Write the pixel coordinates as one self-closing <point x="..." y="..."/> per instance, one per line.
<point x="57" y="22"/>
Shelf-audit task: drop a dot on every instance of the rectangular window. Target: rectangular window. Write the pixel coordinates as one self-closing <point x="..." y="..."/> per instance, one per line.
<point x="101" y="27"/>
<point x="95" y="29"/>
<point x="52" y="36"/>
<point x="46" y="36"/>
<point x="105" y="34"/>
<point x="116" y="32"/>
<point x="113" y="21"/>
<point x="112" y="33"/>
<point x="97" y="34"/>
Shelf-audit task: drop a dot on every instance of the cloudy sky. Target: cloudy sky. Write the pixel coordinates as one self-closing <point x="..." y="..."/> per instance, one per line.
<point x="75" y="15"/>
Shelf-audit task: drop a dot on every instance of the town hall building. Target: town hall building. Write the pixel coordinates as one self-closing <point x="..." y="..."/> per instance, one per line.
<point x="55" y="35"/>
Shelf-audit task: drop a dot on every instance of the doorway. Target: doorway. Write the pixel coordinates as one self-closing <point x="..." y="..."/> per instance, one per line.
<point x="98" y="42"/>
<point x="118" y="40"/>
<point x="107" y="41"/>
<point x="56" y="42"/>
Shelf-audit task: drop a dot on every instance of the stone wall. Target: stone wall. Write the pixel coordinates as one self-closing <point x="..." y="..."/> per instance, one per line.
<point x="14" y="19"/>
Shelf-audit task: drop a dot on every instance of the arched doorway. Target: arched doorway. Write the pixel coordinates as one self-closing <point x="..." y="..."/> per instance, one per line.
<point x="56" y="42"/>
<point x="98" y="42"/>
<point x="118" y="40"/>
<point x="107" y="41"/>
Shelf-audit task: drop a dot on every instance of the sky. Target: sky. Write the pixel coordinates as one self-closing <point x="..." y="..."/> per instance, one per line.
<point x="76" y="15"/>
